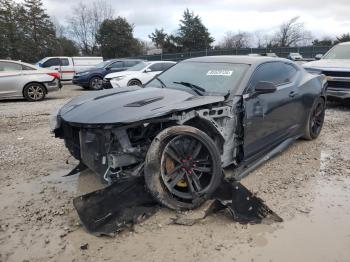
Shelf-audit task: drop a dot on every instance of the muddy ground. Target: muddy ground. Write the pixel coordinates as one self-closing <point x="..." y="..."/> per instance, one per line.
<point x="308" y="185"/>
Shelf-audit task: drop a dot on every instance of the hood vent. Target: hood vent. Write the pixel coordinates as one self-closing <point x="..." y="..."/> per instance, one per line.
<point x="144" y="102"/>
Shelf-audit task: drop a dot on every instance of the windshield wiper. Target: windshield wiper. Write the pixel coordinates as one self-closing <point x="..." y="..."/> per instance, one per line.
<point x="160" y="81"/>
<point x="199" y="90"/>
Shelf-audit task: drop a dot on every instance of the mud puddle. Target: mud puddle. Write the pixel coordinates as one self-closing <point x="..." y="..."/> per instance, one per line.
<point x="312" y="234"/>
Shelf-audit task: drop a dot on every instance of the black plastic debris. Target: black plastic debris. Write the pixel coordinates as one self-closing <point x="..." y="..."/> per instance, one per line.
<point x="116" y="207"/>
<point x="123" y="204"/>
<point x="242" y="204"/>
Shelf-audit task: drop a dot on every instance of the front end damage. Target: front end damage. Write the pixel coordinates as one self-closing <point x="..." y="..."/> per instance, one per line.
<point x="117" y="153"/>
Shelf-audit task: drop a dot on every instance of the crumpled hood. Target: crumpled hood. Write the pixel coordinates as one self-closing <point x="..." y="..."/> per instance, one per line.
<point x="329" y="64"/>
<point x="130" y="104"/>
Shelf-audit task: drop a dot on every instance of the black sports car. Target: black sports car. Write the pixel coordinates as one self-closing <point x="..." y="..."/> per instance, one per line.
<point x="202" y="115"/>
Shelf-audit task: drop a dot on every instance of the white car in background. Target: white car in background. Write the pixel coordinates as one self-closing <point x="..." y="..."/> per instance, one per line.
<point x="136" y="75"/>
<point x="18" y="79"/>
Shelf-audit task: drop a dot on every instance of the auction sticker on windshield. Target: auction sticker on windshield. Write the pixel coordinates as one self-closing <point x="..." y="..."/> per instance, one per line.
<point x="219" y="72"/>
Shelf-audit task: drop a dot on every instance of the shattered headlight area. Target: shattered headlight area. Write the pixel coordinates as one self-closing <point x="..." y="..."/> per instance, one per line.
<point x="117" y="153"/>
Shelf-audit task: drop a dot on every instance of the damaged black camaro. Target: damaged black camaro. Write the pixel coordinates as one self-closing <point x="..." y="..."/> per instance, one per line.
<point x="183" y="127"/>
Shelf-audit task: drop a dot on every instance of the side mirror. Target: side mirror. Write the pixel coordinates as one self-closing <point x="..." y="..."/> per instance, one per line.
<point x="147" y="70"/>
<point x="40" y="64"/>
<point x="108" y="68"/>
<point x="264" y="87"/>
<point x="318" y="56"/>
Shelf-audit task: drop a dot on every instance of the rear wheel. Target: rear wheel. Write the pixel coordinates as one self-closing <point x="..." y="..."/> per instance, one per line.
<point x="34" y="92"/>
<point x="183" y="167"/>
<point x="95" y="83"/>
<point x="316" y="119"/>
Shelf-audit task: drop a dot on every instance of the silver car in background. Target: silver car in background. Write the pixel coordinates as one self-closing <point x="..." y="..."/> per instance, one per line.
<point x="18" y="79"/>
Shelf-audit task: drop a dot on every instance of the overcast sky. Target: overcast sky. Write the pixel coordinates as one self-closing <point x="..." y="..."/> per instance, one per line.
<point x="323" y="18"/>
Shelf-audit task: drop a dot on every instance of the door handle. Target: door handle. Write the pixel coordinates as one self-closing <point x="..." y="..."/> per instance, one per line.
<point x="293" y="94"/>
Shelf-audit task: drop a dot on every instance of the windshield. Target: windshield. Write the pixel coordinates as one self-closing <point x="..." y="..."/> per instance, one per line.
<point x="138" y="67"/>
<point x="215" y="78"/>
<point x="103" y="64"/>
<point x="338" y="52"/>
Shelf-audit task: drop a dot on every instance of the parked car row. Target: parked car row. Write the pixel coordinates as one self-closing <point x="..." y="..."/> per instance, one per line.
<point x="19" y="79"/>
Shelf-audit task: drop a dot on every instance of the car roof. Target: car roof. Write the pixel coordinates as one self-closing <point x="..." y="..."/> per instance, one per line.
<point x="250" y="60"/>
<point x="18" y="62"/>
<point x="162" y="61"/>
<point x="122" y="59"/>
<point x="344" y="43"/>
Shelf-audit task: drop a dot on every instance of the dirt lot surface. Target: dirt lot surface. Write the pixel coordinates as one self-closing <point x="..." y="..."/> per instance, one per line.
<point x="308" y="185"/>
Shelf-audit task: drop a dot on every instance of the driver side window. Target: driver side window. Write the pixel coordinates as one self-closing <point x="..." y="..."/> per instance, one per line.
<point x="52" y="62"/>
<point x="278" y="73"/>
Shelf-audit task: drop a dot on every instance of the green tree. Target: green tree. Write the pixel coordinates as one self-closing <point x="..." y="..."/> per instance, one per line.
<point x="323" y="42"/>
<point x="40" y="36"/>
<point x="343" y="38"/>
<point x="168" y="43"/>
<point x="66" y="47"/>
<point x="11" y="36"/>
<point x="116" y="39"/>
<point x="158" y="37"/>
<point x="192" y="34"/>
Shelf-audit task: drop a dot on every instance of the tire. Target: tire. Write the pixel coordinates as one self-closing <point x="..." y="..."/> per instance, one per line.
<point x="134" y="82"/>
<point x="315" y="120"/>
<point x="34" y="92"/>
<point x="190" y="175"/>
<point x="95" y="83"/>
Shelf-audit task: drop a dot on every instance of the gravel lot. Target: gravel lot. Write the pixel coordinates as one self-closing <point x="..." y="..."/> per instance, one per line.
<point x="308" y="185"/>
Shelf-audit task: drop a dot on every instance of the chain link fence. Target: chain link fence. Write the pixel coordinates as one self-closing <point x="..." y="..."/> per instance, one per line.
<point x="308" y="52"/>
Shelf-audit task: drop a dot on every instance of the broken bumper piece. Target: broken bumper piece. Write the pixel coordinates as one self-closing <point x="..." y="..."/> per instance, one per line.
<point x="123" y="204"/>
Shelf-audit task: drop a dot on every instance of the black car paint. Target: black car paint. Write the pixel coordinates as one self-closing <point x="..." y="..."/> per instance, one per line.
<point x="245" y="125"/>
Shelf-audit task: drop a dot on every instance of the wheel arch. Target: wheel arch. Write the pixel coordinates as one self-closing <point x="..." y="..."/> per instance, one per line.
<point x="209" y="128"/>
<point x="34" y="82"/>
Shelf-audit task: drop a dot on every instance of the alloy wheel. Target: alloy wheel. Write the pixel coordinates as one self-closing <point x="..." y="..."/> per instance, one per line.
<point x="186" y="167"/>
<point x="36" y="92"/>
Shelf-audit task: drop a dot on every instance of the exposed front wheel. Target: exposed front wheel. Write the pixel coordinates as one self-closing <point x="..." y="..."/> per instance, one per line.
<point x="183" y="167"/>
<point x="34" y="92"/>
<point x="316" y="119"/>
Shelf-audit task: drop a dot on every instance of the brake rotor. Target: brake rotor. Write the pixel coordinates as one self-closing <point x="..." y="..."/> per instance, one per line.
<point x="169" y="166"/>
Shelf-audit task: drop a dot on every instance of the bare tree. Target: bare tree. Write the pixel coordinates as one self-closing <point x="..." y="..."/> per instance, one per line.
<point x="292" y="33"/>
<point x="261" y="39"/>
<point x="238" y="40"/>
<point x="85" y="22"/>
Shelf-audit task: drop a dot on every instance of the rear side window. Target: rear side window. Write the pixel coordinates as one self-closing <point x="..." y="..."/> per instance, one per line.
<point x="9" y="66"/>
<point x="278" y="73"/>
<point x="118" y="64"/>
<point x="52" y="62"/>
<point x="24" y="67"/>
<point x="130" y="63"/>
<point x="64" y="62"/>
<point x="156" y="67"/>
<point x="165" y="66"/>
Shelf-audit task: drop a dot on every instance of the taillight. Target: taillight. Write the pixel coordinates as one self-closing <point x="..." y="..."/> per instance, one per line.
<point x="55" y="75"/>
